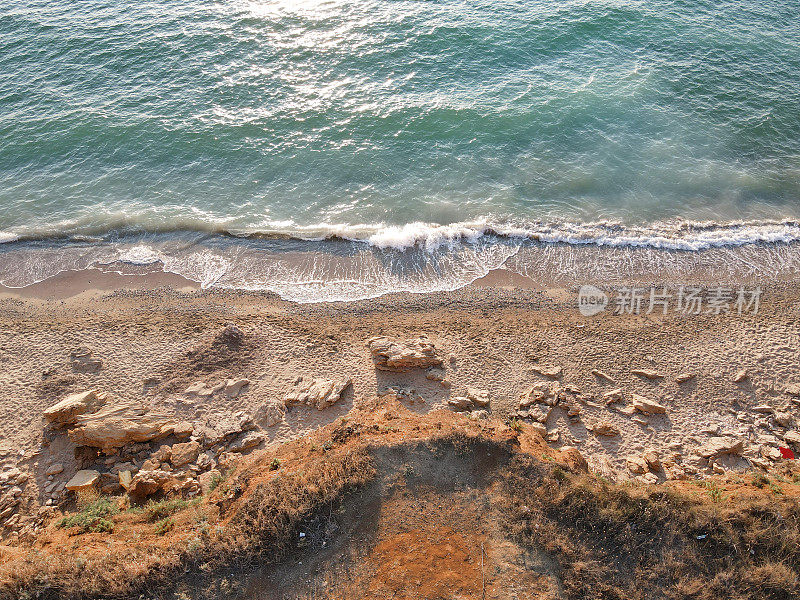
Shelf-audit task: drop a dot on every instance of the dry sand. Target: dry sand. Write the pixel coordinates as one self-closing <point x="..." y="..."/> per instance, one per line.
<point x="497" y="335"/>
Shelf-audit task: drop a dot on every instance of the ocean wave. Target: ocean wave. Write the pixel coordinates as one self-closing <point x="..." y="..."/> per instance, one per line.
<point x="678" y="235"/>
<point x="343" y="263"/>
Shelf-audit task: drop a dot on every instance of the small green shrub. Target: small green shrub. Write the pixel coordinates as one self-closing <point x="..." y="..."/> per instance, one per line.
<point x="155" y="511"/>
<point x="92" y="518"/>
<point x="164" y="526"/>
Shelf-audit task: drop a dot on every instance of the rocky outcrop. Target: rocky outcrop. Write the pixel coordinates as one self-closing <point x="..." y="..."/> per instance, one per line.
<point x="67" y="411"/>
<point x="393" y="355"/>
<point x="183" y="454"/>
<point x="718" y="446"/>
<point x="146" y="483"/>
<point x="119" y="424"/>
<point x="320" y="393"/>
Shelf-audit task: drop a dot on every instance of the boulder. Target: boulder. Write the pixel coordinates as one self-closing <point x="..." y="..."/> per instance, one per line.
<point x="393" y="355"/>
<point x="636" y="464"/>
<point x="770" y="452"/>
<point x="478" y="397"/>
<point x="605" y="428"/>
<point x="460" y="403"/>
<point x="647" y="406"/>
<point x="652" y="459"/>
<point x="740" y="376"/>
<point x="83" y="480"/>
<point x="718" y="446"/>
<point x="208" y="479"/>
<point x="146" y="483"/>
<point x="573" y="458"/>
<point x="246" y="442"/>
<point x="185" y="453"/>
<point x="67" y="411"/>
<point x="784" y="419"/>
<point x="320" y="393"/>
<point x="118" y="425"/>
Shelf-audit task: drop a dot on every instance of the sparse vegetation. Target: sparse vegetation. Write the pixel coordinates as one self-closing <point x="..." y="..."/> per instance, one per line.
<point x="157" y="510"/>
<point x="93" y="518"/>
<point x="164" y="526"/>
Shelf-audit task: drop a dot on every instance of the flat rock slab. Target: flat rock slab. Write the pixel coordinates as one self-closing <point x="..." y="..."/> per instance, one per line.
<point x="118" y="425"/>
<point x="395" y="355"/>
<point x="721" y="445"/>
<point x="83" y="480"/>
<point x="67" y="411"/>
<point x="317" y="392"/>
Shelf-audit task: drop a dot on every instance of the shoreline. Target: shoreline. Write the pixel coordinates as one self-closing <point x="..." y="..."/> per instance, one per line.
<point x="322" y="273"/>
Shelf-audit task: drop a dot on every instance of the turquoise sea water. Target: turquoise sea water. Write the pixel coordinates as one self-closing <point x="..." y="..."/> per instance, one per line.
<point x="408" y="131"/>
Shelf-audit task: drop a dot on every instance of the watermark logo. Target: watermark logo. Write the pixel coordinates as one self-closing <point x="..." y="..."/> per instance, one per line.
<point x="684" y="299"/>
<point x="591" y="300"/>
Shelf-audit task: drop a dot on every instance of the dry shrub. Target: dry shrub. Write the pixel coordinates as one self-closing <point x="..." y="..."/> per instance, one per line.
<point x="613" y="541"/>
<point x="262" y="526"/>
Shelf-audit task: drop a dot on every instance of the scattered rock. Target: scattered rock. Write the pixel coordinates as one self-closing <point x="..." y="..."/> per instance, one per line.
<point x="551" y="371"/>
<point x="647" y="406"/>
<point x="603" y="375"/>
<point x="792" y="437"/>
<point x="54" y="469"/>
<point x="478" y="397"/>
<point x="230" y="335"/>
<point x="784" y="419"/>
<point x="769" y="452"/>
<point x="539" y="428"/>
<point x="246" y="442"/>
<point x="185" y="453"/>
<point x="636" y="464"/>
<point x="270" y="414"/>
<point x="648" y="373"/>
<point x="605" y="428"/>
<point x="460" y="403"/>
<point x="740" y="376"/>
<point x="82" y="361"/>
<point x="67" y="411"/>
<point x="320" y="393"/>
<point x="652" y="459"/>
<point x="392" y="355"/>
<point x="684" y="377"/>
<point x="572" y="457"/>
<point x="83" y="480"/>
<point x="233" y="387"/>
<point x="552" y="436"/>
<point x="543" y="392"/>
<point x="763" y="409"/>
<point x="435" y="374"/>
<point x="612" y="396"/>
<point x="718" y="446"/>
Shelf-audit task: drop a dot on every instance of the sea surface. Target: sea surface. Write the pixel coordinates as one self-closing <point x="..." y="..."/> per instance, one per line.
<point x="332" y="150"/>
